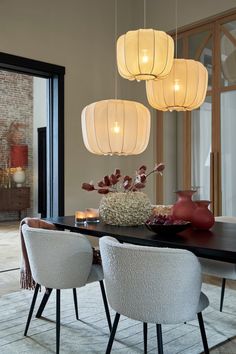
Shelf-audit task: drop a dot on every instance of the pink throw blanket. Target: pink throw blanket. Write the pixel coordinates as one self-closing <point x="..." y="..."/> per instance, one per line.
<point x="26" y="280"/>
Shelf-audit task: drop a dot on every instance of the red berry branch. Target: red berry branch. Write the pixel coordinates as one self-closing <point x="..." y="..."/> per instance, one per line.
<point x="115" y="181"/>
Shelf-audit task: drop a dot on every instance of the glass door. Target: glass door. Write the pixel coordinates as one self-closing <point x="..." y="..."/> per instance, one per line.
<point x="228" y="114"/>
<point x="200" y="49"/>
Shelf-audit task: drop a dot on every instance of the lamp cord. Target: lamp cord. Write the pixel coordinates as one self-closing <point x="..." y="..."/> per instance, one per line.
<point x="176" y="28"/>
<point x="115" y="49"/>
<point x="144" y="14"/>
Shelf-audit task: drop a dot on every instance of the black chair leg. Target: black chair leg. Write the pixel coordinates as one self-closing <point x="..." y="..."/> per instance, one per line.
<point x="159" y="339"/>
<point x="222" y="294"/>
<point x="105" y="305"/>
<point x="43" y="302"/>
<point x="76" y="303"/>
<point x="58" y="320"/>
<point x="31" y="308"/>
<point x="113" y="333"/>
<point x="145" y="337"/>
<point x="203" y="333"/>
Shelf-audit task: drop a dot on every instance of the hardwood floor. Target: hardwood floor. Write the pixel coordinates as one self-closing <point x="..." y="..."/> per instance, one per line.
<point x="9" y="281"/>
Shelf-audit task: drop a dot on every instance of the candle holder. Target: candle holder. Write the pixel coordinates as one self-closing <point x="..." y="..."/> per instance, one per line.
<point x="92" y="215"/>
<point x="80" y="217"/>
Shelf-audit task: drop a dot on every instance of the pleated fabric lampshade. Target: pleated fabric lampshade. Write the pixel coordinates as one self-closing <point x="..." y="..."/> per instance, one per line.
<point x="184" y="89"/>
<point x="145" y="54"/>
<point x="115" y="127"/>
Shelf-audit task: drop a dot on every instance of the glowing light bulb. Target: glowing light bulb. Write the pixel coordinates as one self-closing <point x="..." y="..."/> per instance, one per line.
<point x="116" y="128"/>
<point x="176" y="85"/>
<point x="144" y="57"/>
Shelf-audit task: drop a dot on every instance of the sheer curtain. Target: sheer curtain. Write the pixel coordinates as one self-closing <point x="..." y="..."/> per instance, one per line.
<point x="201" y="147"/>
<point x="228" y="149"/>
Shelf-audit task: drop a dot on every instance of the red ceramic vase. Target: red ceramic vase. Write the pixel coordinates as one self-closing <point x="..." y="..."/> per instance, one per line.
<point x="184" y="207"/>
<point x="202" y="216"/>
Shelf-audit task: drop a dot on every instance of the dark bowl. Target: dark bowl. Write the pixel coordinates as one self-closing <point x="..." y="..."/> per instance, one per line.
<point x="168" y="229"/>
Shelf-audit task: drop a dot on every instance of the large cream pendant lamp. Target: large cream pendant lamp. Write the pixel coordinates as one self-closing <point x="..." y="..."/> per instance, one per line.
<point x="184" y="89"/>
<point x="115" y="127"/>
<point x="145" y="54"/>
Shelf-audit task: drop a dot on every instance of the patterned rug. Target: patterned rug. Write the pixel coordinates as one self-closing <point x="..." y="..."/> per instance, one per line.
<point x="90" y="334"/>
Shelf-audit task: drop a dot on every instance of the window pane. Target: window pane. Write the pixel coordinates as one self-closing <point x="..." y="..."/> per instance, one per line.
<point x="228" y="148"/>
<point x="228" y="55"/>
<point x="201" y="148"/>
<point x="201" y="51"/>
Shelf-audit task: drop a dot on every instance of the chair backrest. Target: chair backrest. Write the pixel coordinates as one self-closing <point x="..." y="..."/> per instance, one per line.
<point x="58" y="259"/>
<point x="151" y="284"/>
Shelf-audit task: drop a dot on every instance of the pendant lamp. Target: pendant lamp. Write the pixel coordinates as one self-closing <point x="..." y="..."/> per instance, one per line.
<point x="115" y="127"/>
<point x="184" y="89"/>
<point x="145" y="54"/>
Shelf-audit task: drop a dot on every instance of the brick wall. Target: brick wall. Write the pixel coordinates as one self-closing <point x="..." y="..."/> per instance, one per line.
<point x="16" y="124"/>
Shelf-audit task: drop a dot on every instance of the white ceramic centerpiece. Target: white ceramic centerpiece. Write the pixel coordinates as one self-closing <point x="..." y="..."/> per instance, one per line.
<point x="123" y="202"/>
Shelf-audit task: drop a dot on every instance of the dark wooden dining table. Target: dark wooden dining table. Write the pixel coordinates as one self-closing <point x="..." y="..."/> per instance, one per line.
<point x="218" y="243"/>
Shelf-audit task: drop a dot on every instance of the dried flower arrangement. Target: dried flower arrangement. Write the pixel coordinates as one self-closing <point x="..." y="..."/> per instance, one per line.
<point x="116" y="183"/>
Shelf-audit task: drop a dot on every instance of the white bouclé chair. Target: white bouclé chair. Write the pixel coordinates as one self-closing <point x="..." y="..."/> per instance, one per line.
<point x="152" y="285"/>
<point x="220" y="269"/>
<point x="60" y="260"/>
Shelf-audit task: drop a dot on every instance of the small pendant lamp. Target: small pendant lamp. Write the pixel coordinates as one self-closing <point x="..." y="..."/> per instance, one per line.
<point x="145" y="54"/>
<point x="184" y="89"/>
<point x="115" y="127"/>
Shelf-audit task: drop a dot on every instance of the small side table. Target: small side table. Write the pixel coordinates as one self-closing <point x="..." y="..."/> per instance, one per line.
<point x="15" y="199"/>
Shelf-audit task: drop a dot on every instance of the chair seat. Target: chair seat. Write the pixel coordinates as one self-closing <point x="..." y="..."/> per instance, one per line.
<point x="96" y="273"/>
<point x="218" y="268"/>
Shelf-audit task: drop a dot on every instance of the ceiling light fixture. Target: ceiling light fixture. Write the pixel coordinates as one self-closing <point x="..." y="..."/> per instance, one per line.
<point x="145" y="54"/>
<point x="184" y="89"/>
<point x="115" y="127"/>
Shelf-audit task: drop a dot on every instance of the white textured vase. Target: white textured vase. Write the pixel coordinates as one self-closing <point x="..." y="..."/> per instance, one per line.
<point x="19" y="177"/>
<point x="125" y="209"/>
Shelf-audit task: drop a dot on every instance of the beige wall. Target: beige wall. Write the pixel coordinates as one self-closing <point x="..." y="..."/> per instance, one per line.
<point x="80" y="36"/>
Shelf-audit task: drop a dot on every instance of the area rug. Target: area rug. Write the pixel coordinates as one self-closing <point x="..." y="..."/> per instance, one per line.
<point x="90" y="334"/>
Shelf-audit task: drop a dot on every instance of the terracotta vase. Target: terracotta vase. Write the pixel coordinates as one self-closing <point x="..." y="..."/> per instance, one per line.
<point x="202" y="216"/>
<point x="184" y="207"/>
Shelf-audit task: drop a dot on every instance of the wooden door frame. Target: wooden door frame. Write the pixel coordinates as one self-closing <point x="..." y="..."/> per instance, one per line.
<point x="55" y="74"/>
